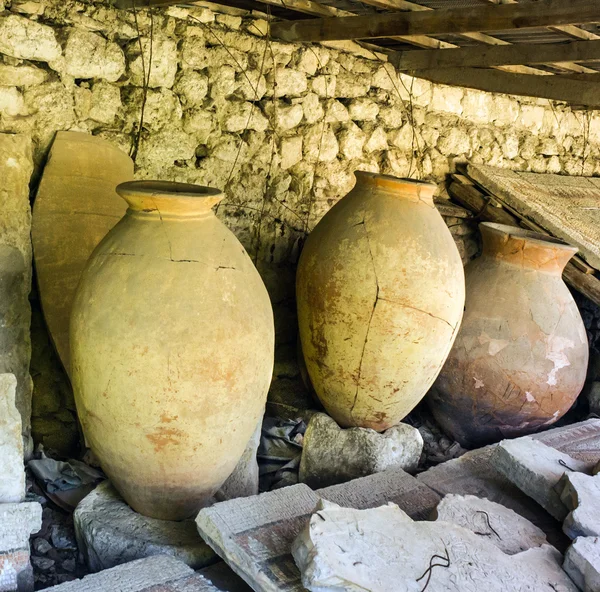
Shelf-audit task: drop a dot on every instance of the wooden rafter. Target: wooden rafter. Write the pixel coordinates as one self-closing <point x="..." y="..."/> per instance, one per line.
<point x="543" y="13"/>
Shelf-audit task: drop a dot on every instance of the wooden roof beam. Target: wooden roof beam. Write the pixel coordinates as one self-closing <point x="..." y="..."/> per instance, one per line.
<point x="543" y="13"/>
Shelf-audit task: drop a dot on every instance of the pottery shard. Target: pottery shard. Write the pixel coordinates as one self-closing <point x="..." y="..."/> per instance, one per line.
<point x="333" y="455"/>
<point x="26" y="39"/>
<point x="582" y="563"/>
<point x="581" y="495"/>
<point x="383" y="550"/>
<point x="536" y="469"/>
<point x="110" y="533"/>
<point x="12" y="483"/>
<point x="504" y="528"/>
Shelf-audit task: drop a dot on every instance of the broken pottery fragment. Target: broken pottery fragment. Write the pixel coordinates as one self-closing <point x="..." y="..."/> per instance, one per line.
<point x="581" y="495"/>
<point x="333" y="455"/>
<point x="383" y="550"/>
<point x="12" y="471"/>
<point x="501" y="526"/>
<point x="536" y="469"/>
<point x="521" y="355"/>
<point x="380" y="292"/>
<point x="75" y="206"/>
<point x="582" y="563"/>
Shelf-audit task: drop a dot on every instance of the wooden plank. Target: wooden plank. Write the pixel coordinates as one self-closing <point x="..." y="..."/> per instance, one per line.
<point x="497" y="55"/>
<point x="587" y="284"/>
<point x="543" y="13"/>
<point x="558" y="88"/>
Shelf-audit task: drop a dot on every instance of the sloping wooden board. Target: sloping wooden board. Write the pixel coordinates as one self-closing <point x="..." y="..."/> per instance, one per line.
<point x="567" y="207"/>
<point x="76" y="205"/>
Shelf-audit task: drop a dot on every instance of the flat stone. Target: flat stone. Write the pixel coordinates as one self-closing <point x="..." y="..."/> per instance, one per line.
<point x="582" y="563"/>
<point x="501" y="526"/>
<point x="27" y="39"/>
<point x="581" y="495"/>
<point x="254" y="535"/>
<point x="110" y="533"/>
<point x="383" y="549"/>
<point x="156" y="574"/>
<point x="12" y="482"/>
<point x="536" y="470"/>
<point x="21" y="75"/>
<point x="332" y="455"/>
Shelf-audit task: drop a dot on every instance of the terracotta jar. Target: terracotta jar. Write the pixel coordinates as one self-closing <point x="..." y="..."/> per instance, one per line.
<point x="521" y="355"/>
<point x="380" y="291"/>
<point x="172" y="349"/>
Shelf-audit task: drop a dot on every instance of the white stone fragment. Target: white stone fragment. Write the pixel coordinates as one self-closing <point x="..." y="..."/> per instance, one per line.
<point x="506" y="529"/>
<point x="191" y="87"/>
<point x="536" y="469"/>
<point x="351" y="139"/>
<point x="21" y="75"/>
<point x="377" y="141"/>
<point x="238" y="116"/>
<point x="383" y="550"/>
<point x="252" y="85"/>
<point x="350" y="86"/>
<point x="324" y="85"/>
<point x="12" y="471"/>
<point x="320" y="143"/>
<point x="163" y="66"/>
<point x="363" y="110"/>
<point x="284" y="117"/>
<point x="290" y="151"/>
<point x="286" y="82"/>
<point x="582" y="563"/>
<point x="27" y="39"/>
<point x="581" y="495"/>
<point x="312" y="108"/>
<point x="11" y="101"/>
<point x="19" y="521"/>
<point x="334" y="455"/>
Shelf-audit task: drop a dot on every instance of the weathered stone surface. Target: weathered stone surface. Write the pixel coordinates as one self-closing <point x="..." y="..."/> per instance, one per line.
<point x="23" y="38"/>
<point x="192" y="87"/>
<point x="536" y="469"/>
<point x="15" y="269"/>
<point x="501" y="526"/>
<point x="110" y="533"/>
<point x="291" y="151"/>
<point x="12" y="482"/>
<point x="582" y="563"/>
<point x="333" y="455"/>
<point x="581" y="495"/>
<point x="11" y="101"/>
<point x="164" y="62"/>
<point x="156" y="574"/>
<point x="286" y="82"/>
<point x="383" y="549"/>
<point x="21" y="75"/>
<point x="224" y="578"/>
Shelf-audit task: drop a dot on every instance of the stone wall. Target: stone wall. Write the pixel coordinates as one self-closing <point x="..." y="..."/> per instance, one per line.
<point x="280" y="127"/>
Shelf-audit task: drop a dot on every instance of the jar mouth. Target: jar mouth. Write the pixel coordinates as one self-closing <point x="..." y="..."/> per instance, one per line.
<point x="413" y="189"/>
<point x="528" y="235"/>
<point x="165" y="189"/>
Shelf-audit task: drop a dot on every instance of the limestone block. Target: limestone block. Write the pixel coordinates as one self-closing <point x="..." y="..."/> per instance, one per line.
<point x="403" y="138"/>
<point x="290" y="151"/>
<point x="384" y="549"/>
<point x="504" y="110"/>
<point x="11" y="101"/>
<point x="454" y="141"/>
<point x="333" y="455"/>
<point x="191" y="87"/>
<point x="162" y="108"/>
<point x="336" y="112"/>
<point x="27" y="39"/>
<point x="363" y="110"/>
<point x="12" y="483"/>
<point x="21" y="75"/>
<point x="349" y="85"/>
<point x="377" y="141"/>
<point x="531" y="117"/>
<point x="320" y="143"/>
<point x="324" y="85"/>
<point x="536" y="470"/>
<point x="447" y="99"/>
<point x="199" y="123"/>
<point x="165" y="147"/>
<point x="283" y="117"/>
<point x="307" y="60"/>
<point x="15" y="268"/>
<point x="286" y="82"/>
<point x="510" y="146"/>
<point x="313" y="110"/>
<point x="582" y="563"/>
<point x="153" y="574"/>
<point x="110" y="533"/>
<point x="89" y="55"/>
<point x="251" y="85"/>
<point x="195" y="55"/>
<point x="229" y="20"/>
<point x="476" y="106"/>
<point x="581" y="495"/>
<point x="501" y="526"/>
<point x="386" y="78"/>
<point x="163" y="67"/>
<point x="105" y="102"/>
<point x="222" y="82"/>
<point x="391" y="116"/>
<point x="237" y="117"/>
<point x="351" y="140"/>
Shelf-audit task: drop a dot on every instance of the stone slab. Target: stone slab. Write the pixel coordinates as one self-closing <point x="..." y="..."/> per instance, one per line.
<point x="567" y="207"/>
<point x="75" y="207"/>
<point x="382" y="549"/>
<point x="110" y="533"/>
<point x="12" y="470"/>
<point x="582" y="563"/>
<point x="222" y="577"/>
<point x="254" y="535"/>
<point x="581" y="495"/>
<point x="536" y="470"/>
<point x="499" y="525"/>
<point x="16" y="166"/>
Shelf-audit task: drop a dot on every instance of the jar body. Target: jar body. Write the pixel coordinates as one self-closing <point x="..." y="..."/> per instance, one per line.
<point x="520" y="358"/>
<point x="380" y="291"/>
<point x="172" y="354"/>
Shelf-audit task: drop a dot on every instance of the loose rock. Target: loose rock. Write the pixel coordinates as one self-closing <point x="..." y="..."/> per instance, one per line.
<point x="12" y="471"/>
<point x="581" y="495"/>
<point x="27" y="39"/>
<point x="582" y="563"/>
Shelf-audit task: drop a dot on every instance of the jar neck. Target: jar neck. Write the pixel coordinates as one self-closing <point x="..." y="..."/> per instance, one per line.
<point x="170" y="200"/>
<point x="525" y="249"/>
<point x="408" y="189"/>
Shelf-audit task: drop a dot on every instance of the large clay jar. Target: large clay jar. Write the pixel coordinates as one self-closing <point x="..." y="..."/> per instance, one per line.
<point x="172" y="349"/>
<point x="380" y="291"/>
<point x="521" y="355"/>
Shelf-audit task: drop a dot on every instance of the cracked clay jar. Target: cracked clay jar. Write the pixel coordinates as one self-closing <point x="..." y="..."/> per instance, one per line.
<point x="520" y="358"/>
<point x="380" y="292"/>
<point x="172" y="349"/>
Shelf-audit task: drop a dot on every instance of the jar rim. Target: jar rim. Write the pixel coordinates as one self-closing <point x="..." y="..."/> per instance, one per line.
<point x="529" y="235"/>
<point x="369" y="176"/>
<point x="166" y="189"/>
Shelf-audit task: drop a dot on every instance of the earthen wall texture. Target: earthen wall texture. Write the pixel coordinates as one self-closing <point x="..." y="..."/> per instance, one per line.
<point x="280" y="127"/>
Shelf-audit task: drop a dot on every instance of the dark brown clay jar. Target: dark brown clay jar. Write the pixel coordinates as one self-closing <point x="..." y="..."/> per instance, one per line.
<point x="520" y="358"/>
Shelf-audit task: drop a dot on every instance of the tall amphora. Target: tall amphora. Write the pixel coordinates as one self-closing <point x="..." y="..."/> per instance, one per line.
<point x="380" y="290"/>
<point x="521" y="355"/>
<point x="172" y="349"/>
